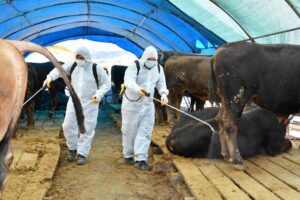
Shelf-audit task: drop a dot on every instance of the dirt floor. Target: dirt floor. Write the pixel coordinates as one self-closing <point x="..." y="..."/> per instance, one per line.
<point x="35" y="160"/>
<point x="105" y="176"/>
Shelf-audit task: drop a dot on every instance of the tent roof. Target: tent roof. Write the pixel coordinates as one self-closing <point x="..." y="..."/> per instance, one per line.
<point x="170" y="25"/>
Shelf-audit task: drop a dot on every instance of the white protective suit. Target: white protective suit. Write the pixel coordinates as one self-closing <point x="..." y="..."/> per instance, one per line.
<point x="138" y="116"/>
<point x="85" y="86"/>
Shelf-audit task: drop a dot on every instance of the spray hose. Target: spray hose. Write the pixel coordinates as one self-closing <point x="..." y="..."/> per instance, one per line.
<point x="187" y="114"/>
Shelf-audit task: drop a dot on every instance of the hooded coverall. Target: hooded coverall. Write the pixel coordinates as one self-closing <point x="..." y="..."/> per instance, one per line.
<point x="85" y="86"/>
<point x="138" y="112"/>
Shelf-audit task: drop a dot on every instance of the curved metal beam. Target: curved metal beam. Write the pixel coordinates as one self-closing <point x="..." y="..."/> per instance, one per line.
<point x="114" y="5"/>
<point x="229" y="15"/>
<point x="218" y="41"/>
<point x="78" y="23"/>
<point x="159" y="44"/>
<point x="157" y="35"/>
<point x="293" y="7"/>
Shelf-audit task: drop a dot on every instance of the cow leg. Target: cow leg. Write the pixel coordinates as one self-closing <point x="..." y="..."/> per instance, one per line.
<point x="158" y="117"/>
<point x="231" y="130"/>
<point x="4" y="146"/>
<point x="164" y="114"/>
<point x="228" y="118"/>
<point x="30" y="114"/>
<point x="177" y="105"/>
<point x="200" y="104"/>
<point x="231" y="117"/>
<point x="172" y="101"/>
<point x="9" y="156"/>
<point x="53" y="103"/>
<point x="223" y="142"/>
<point x="193" y="102"/>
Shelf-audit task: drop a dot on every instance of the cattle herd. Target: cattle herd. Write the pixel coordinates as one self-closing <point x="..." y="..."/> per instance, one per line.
<point x="239" y="74"/>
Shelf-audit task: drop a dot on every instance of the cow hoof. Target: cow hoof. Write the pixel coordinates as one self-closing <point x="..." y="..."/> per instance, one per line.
<point x="30" y="125"/>
<point x="227" y="159"/>
<point x="238" y="167"/>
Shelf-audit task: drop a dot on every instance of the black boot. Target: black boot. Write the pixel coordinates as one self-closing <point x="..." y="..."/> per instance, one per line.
<point x="129" y="161"/>
<point x="142" y="165"/>
<point x="72" y="155"/>
<point x="81" y="160"/>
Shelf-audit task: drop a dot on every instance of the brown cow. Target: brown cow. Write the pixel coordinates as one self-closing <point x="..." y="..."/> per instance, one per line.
<point x="186" y="74"/>
<point x="267" y="74"/>
<point x="12" y="91"/>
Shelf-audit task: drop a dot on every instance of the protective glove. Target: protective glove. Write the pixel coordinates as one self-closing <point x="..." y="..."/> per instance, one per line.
<point x="47" y="82"/>
<point x="143" y="92"/>
<point x="67" y="92"/>
<point x="96" y="100"/>
<point x="164" y="99"/>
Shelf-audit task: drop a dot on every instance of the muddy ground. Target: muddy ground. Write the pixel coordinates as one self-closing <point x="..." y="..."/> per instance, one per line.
<point x="105" y="176"/>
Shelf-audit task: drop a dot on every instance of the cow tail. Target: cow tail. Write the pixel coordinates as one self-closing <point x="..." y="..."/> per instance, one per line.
<point x="212" y="84"/>
<point x="24" y="46"/>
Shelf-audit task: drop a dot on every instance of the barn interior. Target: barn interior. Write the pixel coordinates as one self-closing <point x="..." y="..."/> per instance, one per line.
<point x="124" y="29"/>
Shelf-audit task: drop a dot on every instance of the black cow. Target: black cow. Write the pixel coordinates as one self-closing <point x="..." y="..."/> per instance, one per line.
<point x="267" y="74"/>
<point x="32" y="87"/>
<point x="117" y="79"/>
<point x="259" y="130"/>
<point x="37" y="73"/>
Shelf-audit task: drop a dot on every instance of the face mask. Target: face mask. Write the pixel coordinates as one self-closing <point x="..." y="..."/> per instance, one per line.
<point x="150" y="63"/>
<point x="80" y="62"/>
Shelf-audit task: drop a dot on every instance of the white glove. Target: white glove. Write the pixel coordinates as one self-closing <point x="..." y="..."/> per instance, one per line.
<point x="96" y="99"/>
<point x="67" y="92"/>
<point x="47" y="81"/>
<point x="164" y="99"/>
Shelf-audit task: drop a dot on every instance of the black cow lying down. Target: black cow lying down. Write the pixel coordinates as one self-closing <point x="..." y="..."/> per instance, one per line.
<point x="259" y="130"/>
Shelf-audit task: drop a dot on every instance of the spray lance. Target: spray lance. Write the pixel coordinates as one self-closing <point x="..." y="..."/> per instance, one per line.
<point x="147" y="94"/>
<point x="42" y="88"/>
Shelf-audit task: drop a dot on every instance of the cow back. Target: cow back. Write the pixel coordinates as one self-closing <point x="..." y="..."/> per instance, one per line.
<point x="268" y="73"/>
<point x="12" y="87"/>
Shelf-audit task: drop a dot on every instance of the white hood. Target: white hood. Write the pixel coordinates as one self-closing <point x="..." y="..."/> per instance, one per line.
<point x="84" y="52"/>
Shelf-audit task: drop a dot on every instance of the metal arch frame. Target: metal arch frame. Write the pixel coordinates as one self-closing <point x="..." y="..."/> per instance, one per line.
<point x="193" y="23"/>
<point x="175" y="33"/>
<point x="32" y="35"/>
<point x="76" y="32"/>
<point x="44" y="30"/>
<point x="119" y="6"/>
<point x="235" y="21"/>
<point x="293" y="7"/>
<point x="150" y="41"/>
<point x="49" y="20"/>
<point x="147" y="16"/>
<point x="159" y="22"/>
<point x="28" y="21"/>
